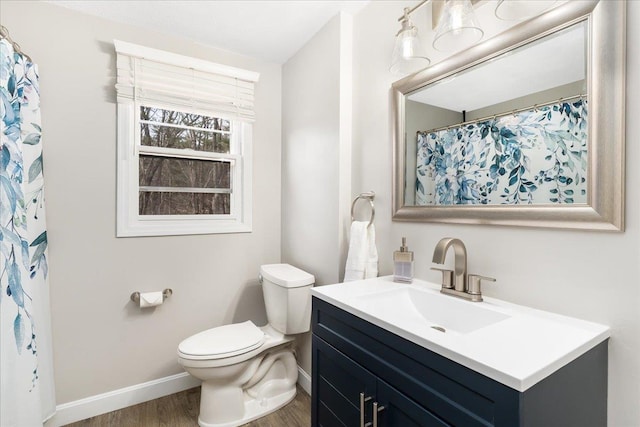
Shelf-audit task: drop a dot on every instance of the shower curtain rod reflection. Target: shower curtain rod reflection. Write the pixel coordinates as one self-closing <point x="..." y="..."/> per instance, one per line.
<point x="4" y="33"/>
<point x="506" y="113"/>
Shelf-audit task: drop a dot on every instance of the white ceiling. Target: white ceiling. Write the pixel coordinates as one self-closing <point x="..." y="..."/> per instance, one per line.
<point x="272" y="30"/>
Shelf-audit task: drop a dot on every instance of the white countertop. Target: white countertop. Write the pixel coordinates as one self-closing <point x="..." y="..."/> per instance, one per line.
<point x="518" y="351"/>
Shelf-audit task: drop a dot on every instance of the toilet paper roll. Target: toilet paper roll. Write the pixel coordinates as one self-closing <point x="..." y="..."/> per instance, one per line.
<point x="150" y="299"/>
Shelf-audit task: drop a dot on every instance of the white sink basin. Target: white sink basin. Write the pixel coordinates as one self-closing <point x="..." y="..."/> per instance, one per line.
<point x="515" y="345"/>
<point x="440" y="312"/>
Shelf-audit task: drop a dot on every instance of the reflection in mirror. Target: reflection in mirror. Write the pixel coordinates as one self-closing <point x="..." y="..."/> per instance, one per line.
<point x="525" y="129"/>
<point x="511" y="130"/>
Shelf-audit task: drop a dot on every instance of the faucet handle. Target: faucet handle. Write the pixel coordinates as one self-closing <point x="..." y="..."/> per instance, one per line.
<point x="447" y="277"/>
<point x="474" y="281"/>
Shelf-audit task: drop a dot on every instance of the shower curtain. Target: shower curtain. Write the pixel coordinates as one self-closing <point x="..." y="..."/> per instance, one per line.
<point x="26" y="361"/>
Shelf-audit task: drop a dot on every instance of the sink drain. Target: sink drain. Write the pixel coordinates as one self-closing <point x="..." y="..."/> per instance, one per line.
<point x="439" y="328"/>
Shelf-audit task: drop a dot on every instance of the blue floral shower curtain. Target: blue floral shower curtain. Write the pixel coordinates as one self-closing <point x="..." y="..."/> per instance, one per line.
<point x="26" y="362"/>
<point x="536" y="156"/>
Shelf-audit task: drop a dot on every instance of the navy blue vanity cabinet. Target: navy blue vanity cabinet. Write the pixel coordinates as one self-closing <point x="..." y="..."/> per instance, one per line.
<point x="360" y="368"/>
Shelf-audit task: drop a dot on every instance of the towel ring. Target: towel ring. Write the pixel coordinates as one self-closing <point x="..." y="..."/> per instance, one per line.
<point x="369" y="196"/>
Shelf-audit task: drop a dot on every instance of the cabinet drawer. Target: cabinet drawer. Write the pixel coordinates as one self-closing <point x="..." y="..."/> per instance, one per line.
<point x="456" y="394"/>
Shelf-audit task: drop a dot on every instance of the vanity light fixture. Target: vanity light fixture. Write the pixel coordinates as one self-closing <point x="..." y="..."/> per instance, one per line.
<point x="457" y="28"/>
<point x="408" y="55"/>
<point x="516" y="10"/>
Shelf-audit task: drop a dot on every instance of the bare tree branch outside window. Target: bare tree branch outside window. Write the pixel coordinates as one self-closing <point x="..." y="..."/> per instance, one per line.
<point x="179" y="185"/>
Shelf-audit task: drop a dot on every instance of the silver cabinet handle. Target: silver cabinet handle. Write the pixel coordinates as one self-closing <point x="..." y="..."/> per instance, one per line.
<point x="376" y="409"/>
<point x="363" y="400"/>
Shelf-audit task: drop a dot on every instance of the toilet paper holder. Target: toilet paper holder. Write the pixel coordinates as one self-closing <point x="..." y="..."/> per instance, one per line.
<point x="135" y="297"/>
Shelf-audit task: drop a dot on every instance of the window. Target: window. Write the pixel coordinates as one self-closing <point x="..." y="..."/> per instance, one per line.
<point x="183" y="166"/>
<point x="184" y="144"/>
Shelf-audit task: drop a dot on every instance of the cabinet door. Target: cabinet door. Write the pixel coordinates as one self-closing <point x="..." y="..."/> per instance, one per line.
<point x="400" y="411"/>
<point x="337" y="384"/>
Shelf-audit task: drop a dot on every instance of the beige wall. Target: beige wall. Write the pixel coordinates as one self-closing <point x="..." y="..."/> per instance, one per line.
<point x="101" y="341"/>
<point x="589" y="275"/>
<point x="316" y="176"/>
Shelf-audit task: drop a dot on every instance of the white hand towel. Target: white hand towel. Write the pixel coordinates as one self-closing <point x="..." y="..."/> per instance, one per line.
<point x="371" y="268"/>
<point x="362" y="259"/>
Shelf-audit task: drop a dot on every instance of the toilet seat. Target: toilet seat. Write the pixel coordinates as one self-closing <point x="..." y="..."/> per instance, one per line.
<point x="222" y="342"/>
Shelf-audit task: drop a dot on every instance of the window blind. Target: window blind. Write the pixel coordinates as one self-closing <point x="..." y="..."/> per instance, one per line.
<point x="155" y="76"/>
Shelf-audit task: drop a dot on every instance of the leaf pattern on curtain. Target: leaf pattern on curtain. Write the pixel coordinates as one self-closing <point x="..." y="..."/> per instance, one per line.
<point x="532" y="157"/>
<point x="23" y="237"/>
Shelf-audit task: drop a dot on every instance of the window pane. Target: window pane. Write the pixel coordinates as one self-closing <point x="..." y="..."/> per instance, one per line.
<point x="161" y="115"/>
<point x="158" y="171"/>
<point x="173" y="137"/>
<point x="175" y="129"/>
<point x="162" y="203"/>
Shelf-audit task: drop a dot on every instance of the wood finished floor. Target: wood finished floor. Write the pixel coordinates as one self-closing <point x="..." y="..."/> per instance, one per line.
<point x="181" y="410"/>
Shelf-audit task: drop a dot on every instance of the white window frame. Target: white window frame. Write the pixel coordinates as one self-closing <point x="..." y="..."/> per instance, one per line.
<point x="130" y="223"/>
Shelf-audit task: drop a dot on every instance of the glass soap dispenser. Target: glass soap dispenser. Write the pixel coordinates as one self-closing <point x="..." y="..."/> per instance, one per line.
<point x="403" y="264"/>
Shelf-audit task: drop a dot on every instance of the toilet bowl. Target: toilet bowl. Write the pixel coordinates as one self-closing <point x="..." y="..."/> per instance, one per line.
<point x="249" y="371"/>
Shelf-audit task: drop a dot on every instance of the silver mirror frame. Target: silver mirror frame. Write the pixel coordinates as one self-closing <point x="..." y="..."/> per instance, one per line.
<point x="606" y="21"/>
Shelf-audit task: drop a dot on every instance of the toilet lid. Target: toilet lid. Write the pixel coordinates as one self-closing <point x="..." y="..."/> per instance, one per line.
<point x="223" y="341"/>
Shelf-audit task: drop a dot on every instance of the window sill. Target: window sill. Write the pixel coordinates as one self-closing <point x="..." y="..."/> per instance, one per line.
<point x="180" y="228"/>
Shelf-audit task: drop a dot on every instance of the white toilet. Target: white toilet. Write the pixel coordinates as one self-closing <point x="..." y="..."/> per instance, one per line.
<point x="246" y="371"/>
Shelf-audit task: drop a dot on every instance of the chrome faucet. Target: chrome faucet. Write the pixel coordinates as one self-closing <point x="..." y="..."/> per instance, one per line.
<point x="457" y="282"/>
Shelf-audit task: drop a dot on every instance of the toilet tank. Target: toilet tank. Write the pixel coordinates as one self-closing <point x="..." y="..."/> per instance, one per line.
<point x="287" y="297"/>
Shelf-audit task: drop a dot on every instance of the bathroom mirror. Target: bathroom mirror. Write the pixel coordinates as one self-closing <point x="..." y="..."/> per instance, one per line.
<point x="524" y="129"/>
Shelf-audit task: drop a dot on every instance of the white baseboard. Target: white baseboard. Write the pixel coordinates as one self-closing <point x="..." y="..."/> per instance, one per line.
<point x="117" y="399"/>
<point x="78" y="410"/>
<point x="304" y="380"/>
